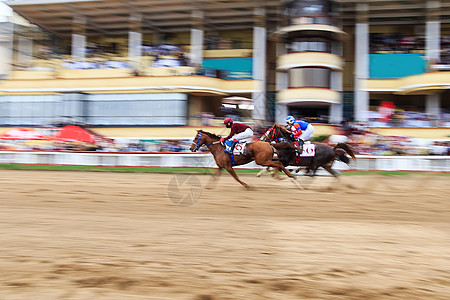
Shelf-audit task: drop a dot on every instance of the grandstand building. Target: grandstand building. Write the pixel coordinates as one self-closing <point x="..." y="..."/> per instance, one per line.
<point x="163" y="63"/>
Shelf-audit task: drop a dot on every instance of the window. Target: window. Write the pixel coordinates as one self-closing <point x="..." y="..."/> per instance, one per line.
<point x="310" y="77"/>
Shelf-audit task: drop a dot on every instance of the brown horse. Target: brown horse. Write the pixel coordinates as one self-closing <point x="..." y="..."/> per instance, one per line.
<point x="261" y="152"/>
<point x="324" y="155"/>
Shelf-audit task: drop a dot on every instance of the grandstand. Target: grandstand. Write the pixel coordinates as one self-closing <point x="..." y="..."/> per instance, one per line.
<point x="152" y="63"/>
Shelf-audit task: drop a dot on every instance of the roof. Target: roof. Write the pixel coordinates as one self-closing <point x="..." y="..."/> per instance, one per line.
<point x="112" y="17"/>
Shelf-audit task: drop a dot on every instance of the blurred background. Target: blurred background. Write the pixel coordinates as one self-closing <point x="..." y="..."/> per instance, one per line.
<point x="141" y="76"/>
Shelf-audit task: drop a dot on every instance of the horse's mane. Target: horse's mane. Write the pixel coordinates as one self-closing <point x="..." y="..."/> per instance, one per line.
<point x="282" y="128"/>
<point x="211" y="135"/>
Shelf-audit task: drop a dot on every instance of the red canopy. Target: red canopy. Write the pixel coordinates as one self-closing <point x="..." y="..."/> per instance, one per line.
<point x="74" y="134"/>
<point x="19" y="133"/>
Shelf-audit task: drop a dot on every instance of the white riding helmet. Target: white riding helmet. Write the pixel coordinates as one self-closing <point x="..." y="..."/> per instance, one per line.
<point x="290" y="120"/>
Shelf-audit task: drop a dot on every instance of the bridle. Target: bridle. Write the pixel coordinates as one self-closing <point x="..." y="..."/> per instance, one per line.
<point x="274" y="133"/>
<point x="199" y="142"/>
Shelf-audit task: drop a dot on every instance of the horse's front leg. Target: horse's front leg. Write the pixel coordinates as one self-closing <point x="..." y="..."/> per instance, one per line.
<point x="277" y="165"/>
<point x="214" y="178"/>
<point x="233" y="173"/>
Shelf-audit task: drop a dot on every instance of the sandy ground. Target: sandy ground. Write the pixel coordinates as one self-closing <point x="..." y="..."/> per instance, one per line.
<point x="95" y="235"/>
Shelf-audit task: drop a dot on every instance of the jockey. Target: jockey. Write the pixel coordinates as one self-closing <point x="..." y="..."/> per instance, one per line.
<point x="238" y="131"/>
<point x="302" y="130"/>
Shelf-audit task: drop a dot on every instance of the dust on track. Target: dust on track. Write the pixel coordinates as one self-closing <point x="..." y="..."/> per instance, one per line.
<point x="89" y="235"/>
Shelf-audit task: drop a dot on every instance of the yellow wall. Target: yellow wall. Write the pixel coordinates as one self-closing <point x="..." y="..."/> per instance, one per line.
<point x="228" y="53"/>
<point x="308" y="58"/>
<point x="184" y="131"/>
<point x="426" y="83"/>
<point x="424" y="133"/>
<point x="82" y="81"/>
<point x="320" y="129"/>
<point x="308" y="94"/>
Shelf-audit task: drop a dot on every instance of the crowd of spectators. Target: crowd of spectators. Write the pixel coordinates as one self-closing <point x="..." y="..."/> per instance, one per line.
<point x="404" y="43"/>
<point x="360" y="137"/>
<point x="396" y="43"/>
<point x="410" y="119"/>
<point x="100" y="57"/>
<point x="367" y="142"/>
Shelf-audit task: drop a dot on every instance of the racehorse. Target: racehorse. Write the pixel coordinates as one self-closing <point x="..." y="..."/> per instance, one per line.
<point x="261" y="152"/>
<point x="324" y="155"/>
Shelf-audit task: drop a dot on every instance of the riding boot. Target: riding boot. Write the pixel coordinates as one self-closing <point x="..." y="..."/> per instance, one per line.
<point x="300" y="145"/>
<point x="230" y="149"/>
<point x="232" y="146"/>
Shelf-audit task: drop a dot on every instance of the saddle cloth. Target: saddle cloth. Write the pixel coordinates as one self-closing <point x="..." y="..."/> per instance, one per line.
<point x="238" y="149"/>
<point x="308" y="149"/>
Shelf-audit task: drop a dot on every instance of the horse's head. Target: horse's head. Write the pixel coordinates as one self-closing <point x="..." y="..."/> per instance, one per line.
<point x="197" y="142"/>
<point x="203" y="138"/>
<point x="276" y="133"/>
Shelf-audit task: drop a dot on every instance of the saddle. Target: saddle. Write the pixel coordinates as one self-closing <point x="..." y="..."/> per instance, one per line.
<point x="238" y="149"/>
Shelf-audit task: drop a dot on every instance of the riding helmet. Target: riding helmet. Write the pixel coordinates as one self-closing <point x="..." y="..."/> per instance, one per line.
<point x="290" y="119"/>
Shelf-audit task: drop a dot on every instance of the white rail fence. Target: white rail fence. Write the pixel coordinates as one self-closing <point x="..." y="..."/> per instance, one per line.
<point x="206" y="160"/>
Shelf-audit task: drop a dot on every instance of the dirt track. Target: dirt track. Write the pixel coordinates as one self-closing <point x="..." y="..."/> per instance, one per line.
<point x="118" y="236"/>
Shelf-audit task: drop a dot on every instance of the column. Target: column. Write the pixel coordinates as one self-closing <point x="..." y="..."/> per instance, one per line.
<point x="361" y="62"/>
<point x="135" y="40"/>
<point x="6" y="49"/>
<point x="196" y="53"/>
<point x="281" y="112"/>
<point x="25" y="49"/>
<point x="335" y="113"/>
<point x="433" y="106"/>
<point x="433" y="32"/>
<point x="282" y="83"/>
<point x="79" y="38"/>
<point x="336" y="109"/>
<point x="259" y="65"/>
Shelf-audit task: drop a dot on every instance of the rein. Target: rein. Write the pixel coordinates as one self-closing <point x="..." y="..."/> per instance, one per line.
<point x="276" y="133"/>
<point x="272" y="133"/>
<point x="199" y="140"/>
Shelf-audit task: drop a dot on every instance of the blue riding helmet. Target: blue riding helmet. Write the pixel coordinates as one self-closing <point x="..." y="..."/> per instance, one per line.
<point x="290" y="120"/>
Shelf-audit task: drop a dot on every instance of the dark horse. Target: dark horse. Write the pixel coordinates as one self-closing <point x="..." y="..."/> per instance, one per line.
<point x="261" y="152"/>
<point x="324" y="155"/>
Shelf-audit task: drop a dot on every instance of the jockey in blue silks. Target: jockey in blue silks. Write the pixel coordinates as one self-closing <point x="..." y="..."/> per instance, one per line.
<point x="302" y="130"/>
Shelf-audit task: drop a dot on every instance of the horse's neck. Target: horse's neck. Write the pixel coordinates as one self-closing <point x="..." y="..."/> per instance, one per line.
<point x="214" y="146"/>
<point x="279" y="132"/>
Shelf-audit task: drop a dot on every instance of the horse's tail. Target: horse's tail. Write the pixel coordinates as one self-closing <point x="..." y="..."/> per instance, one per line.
<point x="341" y="154"/>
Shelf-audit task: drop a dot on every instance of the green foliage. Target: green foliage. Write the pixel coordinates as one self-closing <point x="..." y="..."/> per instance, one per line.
<point x="200" y="171"/>
<point x="319" y="138"/>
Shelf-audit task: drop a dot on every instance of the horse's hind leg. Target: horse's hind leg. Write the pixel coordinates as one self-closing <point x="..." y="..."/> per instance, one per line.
<point x="233" y="173"/>
<point x="331" y="171"/>
<point x="262" y="172"/>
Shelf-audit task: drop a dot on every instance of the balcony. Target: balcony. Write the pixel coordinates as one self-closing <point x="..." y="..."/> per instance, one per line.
<point x="310" y="59"/>
<point x="308" y="94"/>
<point x="422" y="84"/>
<point x="164" y="79"/>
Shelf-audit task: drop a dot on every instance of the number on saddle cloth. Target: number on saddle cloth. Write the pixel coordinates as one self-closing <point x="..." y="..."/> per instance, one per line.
<point x="238" y="149"/>
<point x="309" y="149"/>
